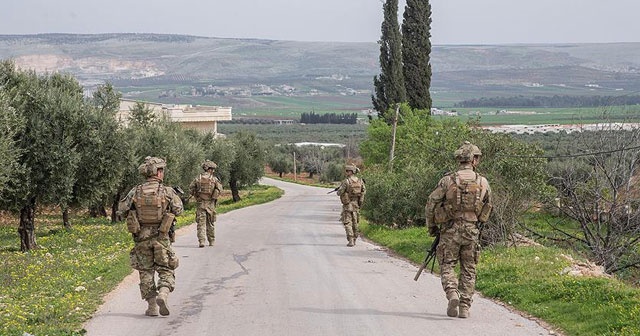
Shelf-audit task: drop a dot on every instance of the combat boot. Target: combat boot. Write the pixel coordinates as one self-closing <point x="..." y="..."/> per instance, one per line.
<point x="454" y="300"/>
<point x="201" y="244"/>
<point x="162" y="301"/>
<point x="464" y="312"/>
<point x="153" y="309"/>
<point x="351" y="243"/>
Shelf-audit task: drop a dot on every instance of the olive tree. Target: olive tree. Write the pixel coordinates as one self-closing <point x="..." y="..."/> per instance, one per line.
<point x="51" y="107"/>
<point x="247" y="166"/>
<point x="102" y="153"/>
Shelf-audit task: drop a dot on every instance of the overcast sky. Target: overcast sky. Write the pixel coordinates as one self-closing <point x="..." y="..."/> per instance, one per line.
<point x="454" y="21"/>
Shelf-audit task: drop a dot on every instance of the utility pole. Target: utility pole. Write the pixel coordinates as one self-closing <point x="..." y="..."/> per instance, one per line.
<point x="295" y="175"/>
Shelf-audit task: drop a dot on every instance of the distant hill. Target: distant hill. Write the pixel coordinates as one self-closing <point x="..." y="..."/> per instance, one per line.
<point x="167" y="66"/>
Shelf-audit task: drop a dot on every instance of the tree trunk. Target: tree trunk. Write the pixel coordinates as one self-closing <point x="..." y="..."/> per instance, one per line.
<point x="65" y="218"/>
<point x="280" y="174"/>
<point x="233" y="185"/>
<point x="114" y="208"/>
<point x="311" y="174"/>
<point x="27" y="226"/>
<point x="97" y="210"/>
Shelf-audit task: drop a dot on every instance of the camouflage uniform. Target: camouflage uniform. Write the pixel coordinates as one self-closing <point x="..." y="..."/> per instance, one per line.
<point x="458" y="229"/>
<point x="351" y="193"/>
<point x="206" y="189"/>
<point x="152" y="250"/>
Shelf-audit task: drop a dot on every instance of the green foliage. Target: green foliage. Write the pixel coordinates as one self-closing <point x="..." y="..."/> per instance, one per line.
<point x="102" y="151"/>
<point x="141" y="114"/>
<point x="423" y="154"/>
<point x="328" y="118"/>
<point x="222" y="152"/>
<point x="333" y="171"/>
<point x="51" y="107"/>
<point x="11" y="123"/>
<point x="247" y="166"/>
<point x="416" y="50"/>
<point x="281" y="163"/>
<point x="285" y="134"/>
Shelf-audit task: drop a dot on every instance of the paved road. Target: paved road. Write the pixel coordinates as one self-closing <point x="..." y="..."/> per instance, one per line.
<point x="283" y="268"/>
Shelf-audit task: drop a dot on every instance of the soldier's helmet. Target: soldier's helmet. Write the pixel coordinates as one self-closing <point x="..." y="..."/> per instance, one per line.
<point x="151" y="165"/>
<point x="466" y="152"/>
<point x="352" y="168"/>
<point x="208" y="164"/>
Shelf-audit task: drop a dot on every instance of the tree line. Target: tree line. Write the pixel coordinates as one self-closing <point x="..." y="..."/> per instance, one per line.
<point x="328" y="118"/>
<point x="62" y="149"/>
<point x="551" y="101"/>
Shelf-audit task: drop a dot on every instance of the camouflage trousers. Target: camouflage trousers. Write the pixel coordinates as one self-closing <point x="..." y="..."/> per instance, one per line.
<point x="206" y="222"/>
<point x="459" y="242"/>
<point x="153" y="254"/>
<point x="350" y="218"/>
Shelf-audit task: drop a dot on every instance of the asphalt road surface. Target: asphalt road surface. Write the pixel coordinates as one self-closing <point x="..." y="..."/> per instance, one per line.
<point x="283" y="268"/>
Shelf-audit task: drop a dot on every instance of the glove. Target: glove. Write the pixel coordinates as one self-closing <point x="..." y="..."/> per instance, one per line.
<point x="433" y="231"/>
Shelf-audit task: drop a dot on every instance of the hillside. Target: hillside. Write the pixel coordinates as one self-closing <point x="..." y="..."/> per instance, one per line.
<point x="243" y="71"/>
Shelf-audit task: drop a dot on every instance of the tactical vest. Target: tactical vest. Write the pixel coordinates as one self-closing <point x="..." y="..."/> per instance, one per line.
<point x="207" y="187"/>
<point x="463" y="198"/>
<point x="150" y="202"/>
<point x="354" y="188"/>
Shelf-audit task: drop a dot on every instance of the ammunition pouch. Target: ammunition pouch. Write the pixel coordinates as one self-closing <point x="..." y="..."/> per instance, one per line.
<point x="440" y="214"/>
<point x="165" y="225"/>
<point x="485" y="212"/>
<point x="173" y="261"/>
<point x="216" y="193"/>
<point x="133" y="260"/>
<point x="344" y="198"/>
<point x="133" y="225"/>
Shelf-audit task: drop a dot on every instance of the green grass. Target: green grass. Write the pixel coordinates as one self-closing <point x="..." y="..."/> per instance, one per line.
<point x="531" y="280"/>
<point x="52" y="290"/>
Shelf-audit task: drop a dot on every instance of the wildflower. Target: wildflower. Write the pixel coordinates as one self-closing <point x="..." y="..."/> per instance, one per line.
<point x="79" y="241"/>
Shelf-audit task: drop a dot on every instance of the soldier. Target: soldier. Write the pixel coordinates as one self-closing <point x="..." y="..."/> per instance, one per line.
<point x="150" y="208"/>
<point x="206" y="189"/>
<point x="456" y="210"/>
<point x="351" y="193"/>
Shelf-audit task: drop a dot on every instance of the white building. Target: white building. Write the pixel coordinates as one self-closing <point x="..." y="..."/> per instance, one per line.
<point x="202" y="118"/>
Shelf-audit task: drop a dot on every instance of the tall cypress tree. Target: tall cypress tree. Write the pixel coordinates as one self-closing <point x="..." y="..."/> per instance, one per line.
<point x="416" y="50"/>
<point x="389" y="84"/>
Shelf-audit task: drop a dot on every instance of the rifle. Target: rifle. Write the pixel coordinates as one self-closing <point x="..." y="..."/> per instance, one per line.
<point x="334" y="190"/>
<point x="172" y="228"/>
<point x="430" y="258"/>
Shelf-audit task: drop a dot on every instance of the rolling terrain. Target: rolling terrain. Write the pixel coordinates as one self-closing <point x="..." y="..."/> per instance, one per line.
<point x="266" y="75"/>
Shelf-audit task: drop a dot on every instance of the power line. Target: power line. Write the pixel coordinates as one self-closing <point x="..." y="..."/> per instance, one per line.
<point x="569" y="155"/>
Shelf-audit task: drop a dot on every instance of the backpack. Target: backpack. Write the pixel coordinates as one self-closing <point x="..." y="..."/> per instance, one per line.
<point x="150" y="202"/>
<point x="463" y="198"/>
<point x="207" y="187"/>
<point x="354" y="187"/>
